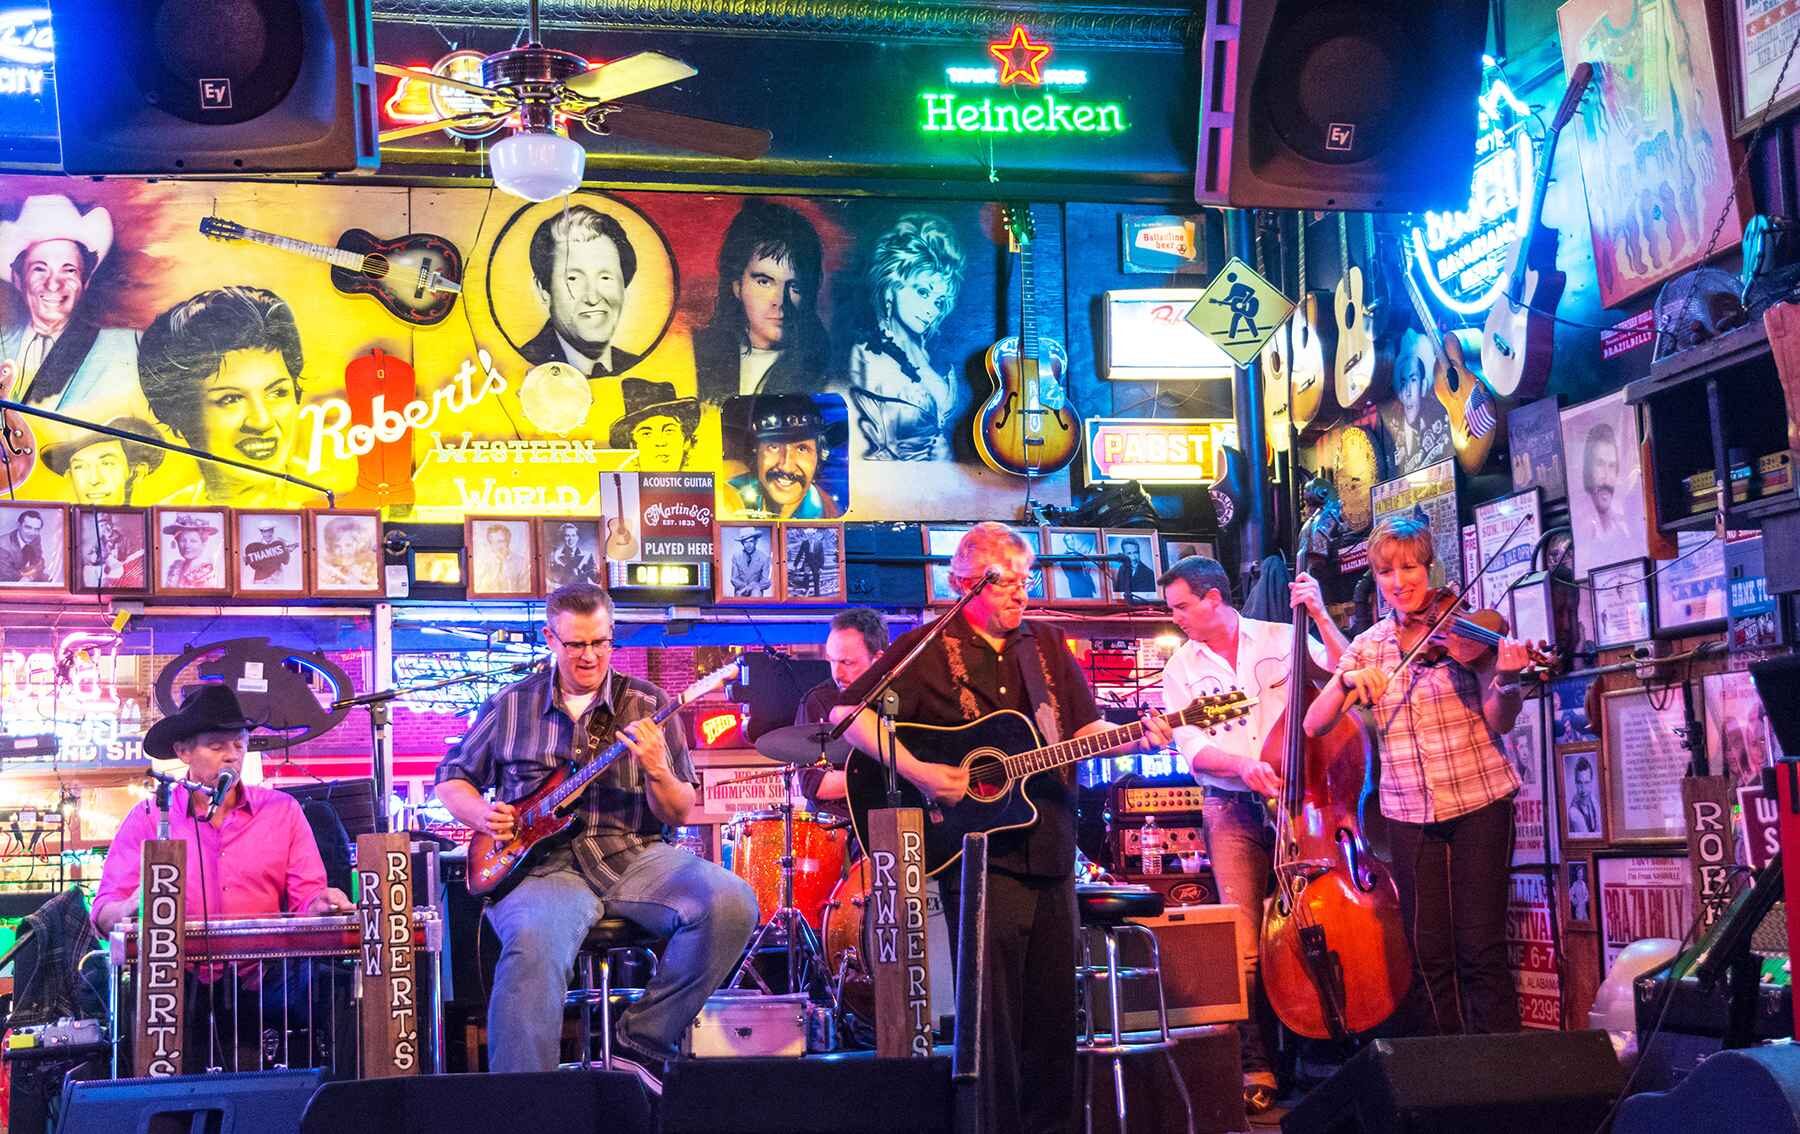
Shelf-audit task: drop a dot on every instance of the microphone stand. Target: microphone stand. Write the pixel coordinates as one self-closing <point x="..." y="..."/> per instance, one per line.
<point x="381" y="723"/>
<point x="166" y="446"/>
<point x="890" y="707"/>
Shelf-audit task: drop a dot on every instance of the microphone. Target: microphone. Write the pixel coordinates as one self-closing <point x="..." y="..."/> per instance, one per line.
<point x="220" y="790"/>
<point x="991" y="575"/>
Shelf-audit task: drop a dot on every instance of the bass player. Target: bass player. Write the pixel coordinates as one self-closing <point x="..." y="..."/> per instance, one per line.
<point x="991" y="659"/>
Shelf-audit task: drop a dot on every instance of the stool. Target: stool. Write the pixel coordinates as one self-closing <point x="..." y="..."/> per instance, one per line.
<point x="1105" y="912"/>
<point x="607" y="938"/>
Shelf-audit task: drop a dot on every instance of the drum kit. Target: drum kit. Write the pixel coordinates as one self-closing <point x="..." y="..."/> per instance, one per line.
<point x="796" y="861"/>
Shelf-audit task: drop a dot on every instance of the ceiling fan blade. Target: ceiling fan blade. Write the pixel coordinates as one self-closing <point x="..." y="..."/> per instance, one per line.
<point x="630" y="75"/>
<point x="683" y="132"/>
<point x="435" y="125"/>
<point x="440" y="80"/>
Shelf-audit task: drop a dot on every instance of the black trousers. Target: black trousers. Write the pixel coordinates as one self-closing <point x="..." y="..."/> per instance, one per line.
<point x="1028" y="1062"/>
<point x="1454" y="879"/>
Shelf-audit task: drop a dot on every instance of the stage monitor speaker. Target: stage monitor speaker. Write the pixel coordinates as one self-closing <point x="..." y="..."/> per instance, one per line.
<point x="251" y="1102"/>
<point x="538" y="1101"/>
<point x="1202" y="975"/>
<point x="855" y="1095"/>
<point x="1543" y="1082"/>
<point x="1339" y="104"/>
<point x="215" y="86"/>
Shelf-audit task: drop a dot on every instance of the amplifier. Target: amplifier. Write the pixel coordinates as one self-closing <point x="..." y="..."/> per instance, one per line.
<point x="1157" y="799"/>
<point x="1202" y="974"/>
<point x="1181" y="836"/>
<point x="1200" y="889"/>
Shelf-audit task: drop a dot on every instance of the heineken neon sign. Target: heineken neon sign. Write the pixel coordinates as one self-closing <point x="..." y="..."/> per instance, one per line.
<point x="1031" y="98"/>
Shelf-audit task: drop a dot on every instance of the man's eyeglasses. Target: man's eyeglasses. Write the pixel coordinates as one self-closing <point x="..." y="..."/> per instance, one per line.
<point x="598" y="645"/>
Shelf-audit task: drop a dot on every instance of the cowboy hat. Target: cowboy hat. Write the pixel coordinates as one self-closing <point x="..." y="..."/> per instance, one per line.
<point x="58" y="454"/>
<point x="209" y="708"/>
<point x="645" y="399"/>
<point x="187" y="523"/>
<point x="749" y="536"/>
<point x="54" y="217"/>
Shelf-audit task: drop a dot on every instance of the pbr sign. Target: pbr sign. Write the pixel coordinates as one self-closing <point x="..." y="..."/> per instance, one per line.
<point x="1156" y="450"/>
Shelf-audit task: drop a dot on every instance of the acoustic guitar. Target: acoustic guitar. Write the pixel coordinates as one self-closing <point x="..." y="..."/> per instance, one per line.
<point x="1364" y="368"/>
<point x="1274" y="360"/>
<point x="547" y="813"/>
<point x="1002" y="751"/>
<point x="621" y="541"/>
<point x="1476" y="423"/>
<point x="1516" y="337"/>
<point x="416" y="277"/>
<point x="1312" y="350"/>
<point x="1026" y="427"/>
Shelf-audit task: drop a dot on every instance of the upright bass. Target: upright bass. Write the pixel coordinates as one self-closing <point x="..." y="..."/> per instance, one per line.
<point x="1334" y="956"/>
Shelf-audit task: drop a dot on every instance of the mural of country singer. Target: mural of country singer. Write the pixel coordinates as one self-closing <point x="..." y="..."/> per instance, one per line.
<point x="497" y="356"/>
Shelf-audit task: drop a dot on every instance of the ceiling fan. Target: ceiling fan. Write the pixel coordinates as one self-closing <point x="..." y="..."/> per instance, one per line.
<point x="540" y="89"/>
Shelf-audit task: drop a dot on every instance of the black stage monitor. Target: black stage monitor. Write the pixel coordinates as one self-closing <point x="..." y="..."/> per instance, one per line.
<point x="772" y="688"/>
<point x="353" y="800"/>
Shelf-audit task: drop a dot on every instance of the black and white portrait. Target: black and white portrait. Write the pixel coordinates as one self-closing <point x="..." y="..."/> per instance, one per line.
<point x="569" y="551"/>
<point x="1079" y="579"/>
<point x="112" y="549"/>
<point x="33" y="540"/>
<point x="750" y="564"/>
<point x="1584" y="801"/>
<point x="269" y="552"/>
<point x="1132" y="565"/>
<point x="499" y="557"/>
<point x="1606" y="493"/>
<point x="191" y="552"/>
<point x="813" y="562"/>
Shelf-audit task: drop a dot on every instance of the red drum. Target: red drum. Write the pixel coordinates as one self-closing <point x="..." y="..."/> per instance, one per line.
<point x="821" y="845"/>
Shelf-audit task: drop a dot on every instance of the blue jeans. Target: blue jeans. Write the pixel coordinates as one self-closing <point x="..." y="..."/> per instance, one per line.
<point x="1241" y="844"/>
<point x="706" y="913"/>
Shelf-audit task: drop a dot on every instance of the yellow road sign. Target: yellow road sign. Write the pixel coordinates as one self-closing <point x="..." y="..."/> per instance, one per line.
<point x="1239" y="310"/>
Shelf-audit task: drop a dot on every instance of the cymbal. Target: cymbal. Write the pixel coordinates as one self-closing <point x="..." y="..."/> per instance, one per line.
<point x="803" y="744"/>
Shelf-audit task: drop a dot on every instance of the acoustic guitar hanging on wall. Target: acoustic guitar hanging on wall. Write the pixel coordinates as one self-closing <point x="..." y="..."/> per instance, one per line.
<point x="1026" y="427"/>
<point x="417" y="277"/>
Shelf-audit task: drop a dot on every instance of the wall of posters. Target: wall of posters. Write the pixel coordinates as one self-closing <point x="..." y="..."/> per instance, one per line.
<point x="1531" y="949"/>
<point x="1641" y="896"/>
<point x="1431" y="494"/>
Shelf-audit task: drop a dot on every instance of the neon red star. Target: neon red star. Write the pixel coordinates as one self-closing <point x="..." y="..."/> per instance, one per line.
<point x="1020" y="58"/>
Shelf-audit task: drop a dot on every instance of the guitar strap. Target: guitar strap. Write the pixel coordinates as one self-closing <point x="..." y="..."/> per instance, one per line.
<point x="598" y="736"/>
<point x="1040" y="688"/>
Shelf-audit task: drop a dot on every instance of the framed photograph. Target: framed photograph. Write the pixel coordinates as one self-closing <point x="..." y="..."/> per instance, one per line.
<point x="1081" y="580"/>
<point x="1531" y="611"/>
<point x="112" y="550"/>
<point x="1658" y="177"/>
<point x="1035" y="588"/>
<point x="1622" y="603"/>
<point x="1578" y="893"/>
<point x="1606" y="482"/>
<point x="941" y="539"/>
<point x="346" y="553"/>
<point x="1583" y="818"/>
<point x="34" y="547"/>
<point x="570" y="550"/>
<point x="1178" y="547"/>
<point x="1690" y="589"/>
<point x="1506" y="533"/>
<point x="193" y="553"/>
<point x="1537" y="452"/>
<point x="1534" y="839"/>
<point x="1645" y="761"/>
<point x="750" y="563"/>
<point x="271" y="553"/>
<point x="1131" y="564"/>
<point x="501" y="563"/>
<point x="1638" y="896"/>
<point x="1757" y="34"/>
<point x="1574" y="721"/>
<point x="1739" y="743"/>
<point x="812" y="556"/>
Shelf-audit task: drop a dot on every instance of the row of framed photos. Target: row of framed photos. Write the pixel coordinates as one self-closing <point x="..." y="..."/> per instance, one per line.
<point x="794" y="561"/>
<point x="1081" y="566"/>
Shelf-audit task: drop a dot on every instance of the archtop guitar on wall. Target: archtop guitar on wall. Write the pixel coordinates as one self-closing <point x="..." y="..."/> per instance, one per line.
<point x="417" y="277"/>
<point x="1027" y="427"/>
<point x="1001" y="750"/>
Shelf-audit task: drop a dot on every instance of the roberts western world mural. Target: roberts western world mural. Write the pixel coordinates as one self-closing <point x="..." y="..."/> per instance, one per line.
<point x="439" y="352"/>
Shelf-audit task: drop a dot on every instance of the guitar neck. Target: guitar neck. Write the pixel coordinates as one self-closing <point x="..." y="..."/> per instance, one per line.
<point x="1423" y="311"/>
<point x="1022" y="764"/>
<point x="336" y="257"/>
<point x="585" y="775"/>
<point x="1028" y="324"/>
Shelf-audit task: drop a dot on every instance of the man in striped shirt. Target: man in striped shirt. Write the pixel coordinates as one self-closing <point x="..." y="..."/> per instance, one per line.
<point x="618" y="862"/>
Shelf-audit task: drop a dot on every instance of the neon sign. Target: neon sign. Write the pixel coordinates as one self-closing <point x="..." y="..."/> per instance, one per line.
<point x="413" y="101"/>
<point x="1020" y="65"/>
<point x="26" y="50"/>
<point x="1461" y="256"/>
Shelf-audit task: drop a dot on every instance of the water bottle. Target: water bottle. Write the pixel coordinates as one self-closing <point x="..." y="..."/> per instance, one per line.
<point x="1150" y="846"/>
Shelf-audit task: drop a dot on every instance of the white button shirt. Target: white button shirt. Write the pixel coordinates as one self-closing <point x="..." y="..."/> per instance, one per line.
<point x="1194" y="670"/>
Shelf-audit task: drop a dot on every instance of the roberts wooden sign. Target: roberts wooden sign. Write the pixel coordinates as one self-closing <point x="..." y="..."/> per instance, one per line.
<point x="390" y="985"/>
<point x="157" y="1036"/>
<point x="897" y="933"/>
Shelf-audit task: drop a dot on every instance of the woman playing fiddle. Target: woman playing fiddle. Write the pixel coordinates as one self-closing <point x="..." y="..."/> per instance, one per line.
<point x="1446" y="784"/>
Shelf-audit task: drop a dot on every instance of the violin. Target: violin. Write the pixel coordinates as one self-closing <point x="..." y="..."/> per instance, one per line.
<point x="1439" y="631"/>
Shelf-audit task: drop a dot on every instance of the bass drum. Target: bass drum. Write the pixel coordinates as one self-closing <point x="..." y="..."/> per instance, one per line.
<point x="847" y="945"/>
<point x="821" y="844"/>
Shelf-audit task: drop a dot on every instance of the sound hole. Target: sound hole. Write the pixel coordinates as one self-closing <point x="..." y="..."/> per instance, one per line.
<point x="375" y="266"/>
<point x="987" y="777"/>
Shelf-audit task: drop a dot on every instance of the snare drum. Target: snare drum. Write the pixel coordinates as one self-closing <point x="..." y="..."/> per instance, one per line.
<point x="821" y="845"/>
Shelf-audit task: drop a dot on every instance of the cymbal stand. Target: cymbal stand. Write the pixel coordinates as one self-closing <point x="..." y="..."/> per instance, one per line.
<point x="805" y="956"/>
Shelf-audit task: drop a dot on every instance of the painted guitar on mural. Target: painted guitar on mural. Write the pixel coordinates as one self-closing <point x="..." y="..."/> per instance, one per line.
<point x="1027" y="427"/>
<point x="417" y="277"/>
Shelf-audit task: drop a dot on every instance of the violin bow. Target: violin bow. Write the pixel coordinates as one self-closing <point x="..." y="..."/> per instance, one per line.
<point x="1451" y="609"/>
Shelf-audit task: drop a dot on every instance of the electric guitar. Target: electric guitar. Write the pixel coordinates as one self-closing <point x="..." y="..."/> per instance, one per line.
<point x="1516" y="337"/>
<point x="547" y="812"/>
<point x="1364" y="368"/>
<point x="1312" y="350"/>
<point x="1026" y="427"/>
<point x="621" y="544"/>
<point x="417" y="277"/>
<point x="1001" y="750"/>
<point x="1476" y="423"/>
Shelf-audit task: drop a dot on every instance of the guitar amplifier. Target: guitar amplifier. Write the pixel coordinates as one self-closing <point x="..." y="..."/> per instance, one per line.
<point x="1145" y="798"/>
<point x="1202" y="974"/>
<point x="1181" y="835"/>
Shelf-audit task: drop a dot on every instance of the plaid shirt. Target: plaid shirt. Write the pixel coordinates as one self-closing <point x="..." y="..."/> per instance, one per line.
<point x="1439" y="758"/>
<point x="524" y="732"/>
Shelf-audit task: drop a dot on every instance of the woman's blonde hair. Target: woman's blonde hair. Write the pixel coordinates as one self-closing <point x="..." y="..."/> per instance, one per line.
<point x="1397" y="533"/>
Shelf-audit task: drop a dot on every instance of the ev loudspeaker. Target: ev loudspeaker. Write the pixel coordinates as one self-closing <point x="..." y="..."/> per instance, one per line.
<point x="613" y="1101"/>
<point x="1544" y="1082"/>
<point x="253" y="1102"/>
<point x="215" y="86"/>
<point x="855" y="1095"/>
<point x="1339" y="104"/>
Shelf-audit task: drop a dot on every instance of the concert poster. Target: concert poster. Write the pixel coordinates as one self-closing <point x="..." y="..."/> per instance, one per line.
<point x="1531" y="949"/>
<point x="1641" y="896"/>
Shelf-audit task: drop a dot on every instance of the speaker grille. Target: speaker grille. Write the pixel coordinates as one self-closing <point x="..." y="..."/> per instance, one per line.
<point x="220" y="62"/>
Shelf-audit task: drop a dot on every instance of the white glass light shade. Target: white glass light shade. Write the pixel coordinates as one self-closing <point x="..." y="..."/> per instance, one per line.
<point x="537" y="166"/>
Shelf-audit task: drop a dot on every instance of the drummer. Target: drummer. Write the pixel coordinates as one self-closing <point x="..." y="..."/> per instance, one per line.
<point x="856" y="639"/>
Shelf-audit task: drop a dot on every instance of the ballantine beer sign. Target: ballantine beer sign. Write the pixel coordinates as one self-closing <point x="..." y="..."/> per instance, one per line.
<point x="1021" y="64"/>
